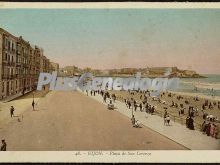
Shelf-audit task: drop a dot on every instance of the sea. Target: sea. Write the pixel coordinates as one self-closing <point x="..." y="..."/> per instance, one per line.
<point x="188" y="85"/>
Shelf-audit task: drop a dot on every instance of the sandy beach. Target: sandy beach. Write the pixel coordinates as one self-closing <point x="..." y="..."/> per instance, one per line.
<point x="174" y="111"/>
<point x="199" y="95"/>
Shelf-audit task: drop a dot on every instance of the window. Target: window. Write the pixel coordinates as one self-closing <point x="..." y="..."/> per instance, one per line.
<point x="9" y="45"/>
<point x="3" y="86"/>
<point x="6" y="42"/>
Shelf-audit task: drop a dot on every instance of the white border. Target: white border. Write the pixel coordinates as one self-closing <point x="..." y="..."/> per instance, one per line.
<point x="119" y="5"/>
<point x="71" y="156"/>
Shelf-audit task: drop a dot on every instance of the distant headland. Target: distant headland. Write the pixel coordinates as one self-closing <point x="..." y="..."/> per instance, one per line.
<point x="127" y="72"/>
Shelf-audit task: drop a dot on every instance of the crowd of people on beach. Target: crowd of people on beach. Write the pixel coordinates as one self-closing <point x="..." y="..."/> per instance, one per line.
<point x="211" y="129"/>
<point x="130" y="103"/>
<point x="193" y="111"/>
<point x="184" y="108"/>
<point x="209" y="105"/>
<point x="209" y="126"/>
<point x="142" y="106"/>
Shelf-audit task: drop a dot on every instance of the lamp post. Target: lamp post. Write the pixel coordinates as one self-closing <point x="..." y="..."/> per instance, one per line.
<point x="132" y="112"/>
<point x="132" y="108"/>
<point x="33" y="103"/>
<point x="33" y="96"/>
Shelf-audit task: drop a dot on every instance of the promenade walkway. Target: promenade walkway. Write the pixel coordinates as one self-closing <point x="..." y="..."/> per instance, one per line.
<point x="71" y="121"/>
<point x="192" y="139"/>
<point x="12" y="97"/>
<point x="20" y="102"/>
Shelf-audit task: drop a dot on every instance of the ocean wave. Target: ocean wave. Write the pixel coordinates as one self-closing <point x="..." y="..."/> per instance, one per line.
<point x="203" y="85"/>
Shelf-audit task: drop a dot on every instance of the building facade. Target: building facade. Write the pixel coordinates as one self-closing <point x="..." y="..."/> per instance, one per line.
<point x="20" y="65"/>
<point x="54" y="66"/>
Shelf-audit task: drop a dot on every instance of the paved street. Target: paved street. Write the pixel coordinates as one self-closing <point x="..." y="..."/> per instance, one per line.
<point x="73" y="121"/>
<point x="21" y="104"/>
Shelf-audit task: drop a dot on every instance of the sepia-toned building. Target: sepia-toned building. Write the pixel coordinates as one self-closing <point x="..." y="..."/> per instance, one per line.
<point x="20" y="65"/>
<point x="9" y="80"/>
<point x="54" y="66"/>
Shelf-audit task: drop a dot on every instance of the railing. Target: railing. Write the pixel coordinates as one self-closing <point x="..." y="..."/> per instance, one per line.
<point x="18" y="63"/>
<point x="5" y="76"/>
<point x="180" y="119"/>
<point x="6" y="62"/>
<point x="10" y="76"/>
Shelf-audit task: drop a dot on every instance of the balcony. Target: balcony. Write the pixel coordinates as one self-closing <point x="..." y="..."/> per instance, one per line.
<point x="19" y="75"/>
<point x="26" y="65"/>
<point x="5" y="76"/>
<point x="8" y="63"/>
<point x="18" y="52"/>
<point x="10" y="77"/>
<point x="18" y="64"/>
<point x="12" y="63"/>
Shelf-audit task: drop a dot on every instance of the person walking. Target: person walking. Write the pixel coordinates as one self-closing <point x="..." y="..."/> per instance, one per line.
<point x="12" y="111"/>
<point x="168" y="119"/>
<point x="203" y="127"/>
<point x="208" y="129"/>
<point x="104" y="98"/>
<point x="129" y="104"/>
<point x="191" y="123"/>
<point x="152" y="110"/>
<point x="135" y="106"/>
<point x="217" y="131"/>
<point x="212" y="130"/>
<point x="187" y="122"/>
<point x="4" y="145"/>
<point x="133" y="120"/>
<point x="140" y="105"/>
<point x="33" y="104"/>
<point x="164" y="116"/>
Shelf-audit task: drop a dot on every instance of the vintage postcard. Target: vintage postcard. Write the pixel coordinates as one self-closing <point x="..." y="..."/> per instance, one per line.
<point x="109" y="82"/>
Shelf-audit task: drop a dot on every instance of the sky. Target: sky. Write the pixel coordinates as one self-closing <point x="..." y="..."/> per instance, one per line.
<point x="118" y="38"/>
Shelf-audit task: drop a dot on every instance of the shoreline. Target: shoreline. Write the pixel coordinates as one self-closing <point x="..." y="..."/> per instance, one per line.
<point x="204" y="85"/>
<point x="200" y="95"/>
<point x="147" y="76"/>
